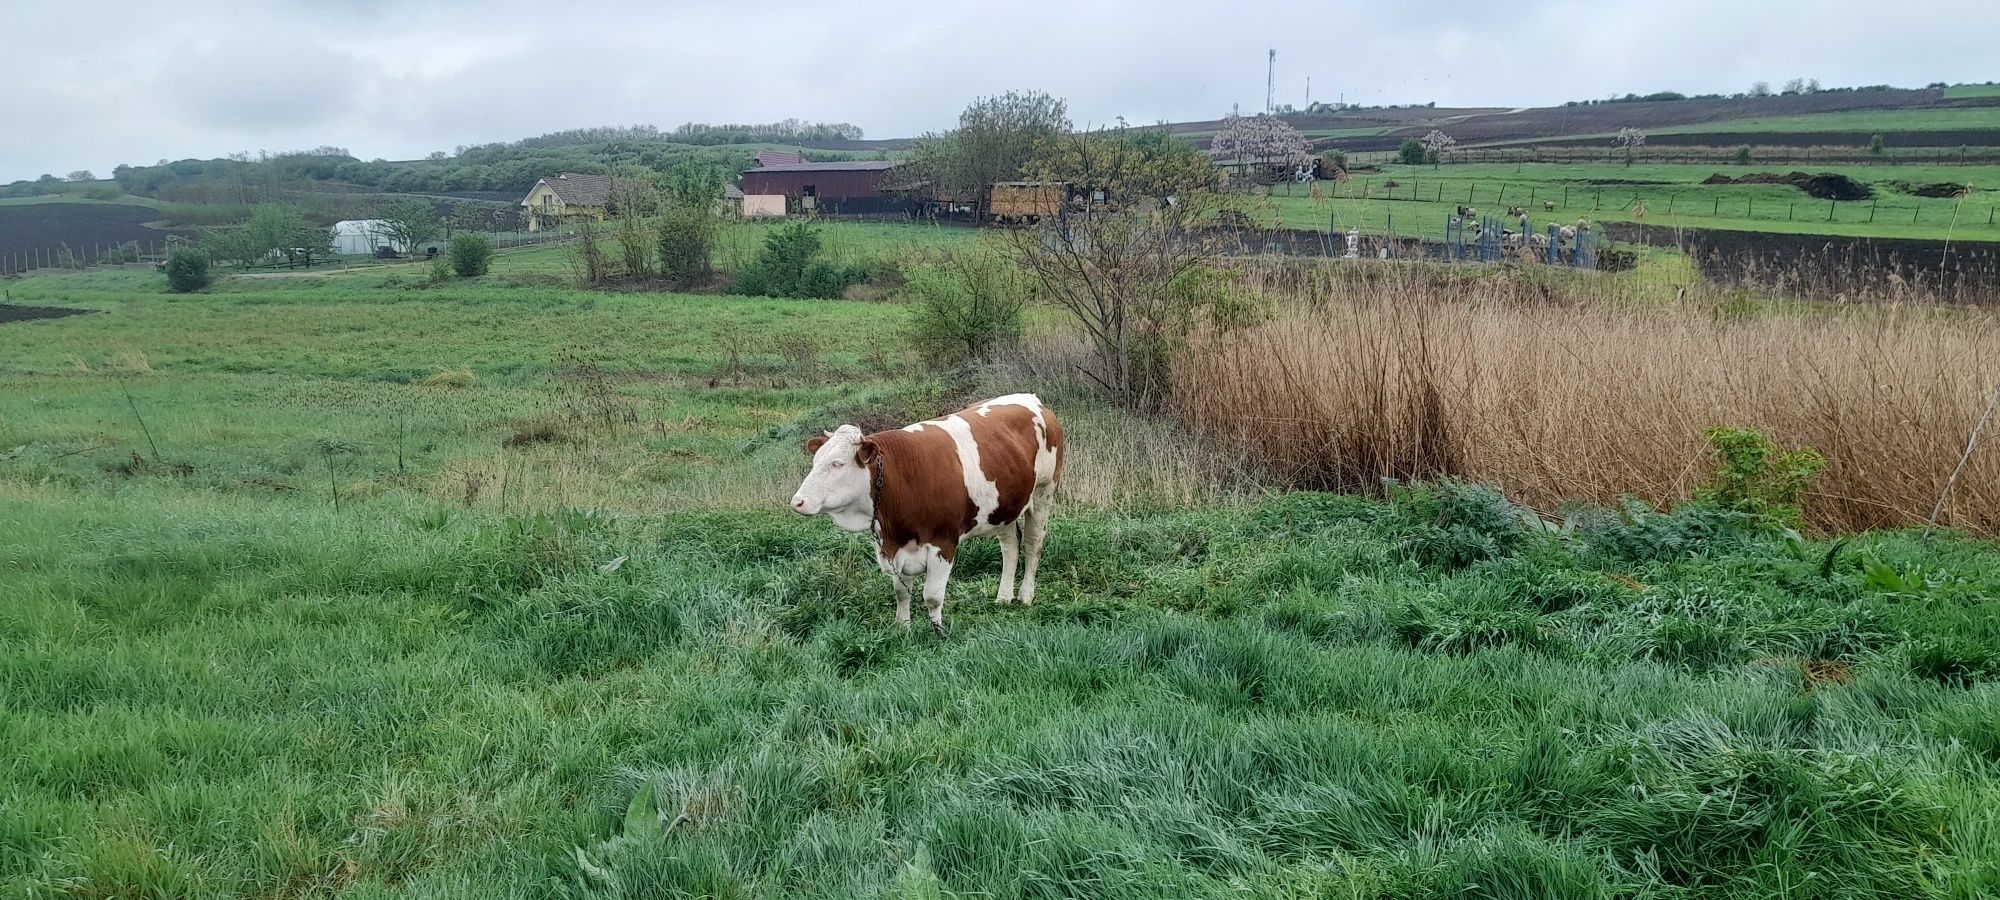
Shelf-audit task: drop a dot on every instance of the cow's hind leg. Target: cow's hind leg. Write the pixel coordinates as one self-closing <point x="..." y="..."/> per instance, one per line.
<point x="1010" y="552"/>
<point x="1034" y="527"/>
<point x="937" y="577"/>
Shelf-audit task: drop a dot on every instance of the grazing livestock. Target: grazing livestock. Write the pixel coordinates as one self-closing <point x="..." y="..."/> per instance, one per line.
<point x="1548" y="206"/>
<point x="987" y="470"/>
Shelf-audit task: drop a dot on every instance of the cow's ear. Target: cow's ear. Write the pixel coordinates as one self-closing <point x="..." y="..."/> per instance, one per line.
<point x="865" y="453"/>
<point x="814" y="443"/>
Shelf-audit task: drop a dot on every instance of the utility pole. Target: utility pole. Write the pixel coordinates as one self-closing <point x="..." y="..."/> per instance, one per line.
<point x="1271" y="82"/>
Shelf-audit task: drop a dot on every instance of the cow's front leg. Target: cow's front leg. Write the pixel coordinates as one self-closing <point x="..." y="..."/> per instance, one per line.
<point x="1010" y="551"/>
<point x="892" y="566"/>
<point x="937" y="577"/>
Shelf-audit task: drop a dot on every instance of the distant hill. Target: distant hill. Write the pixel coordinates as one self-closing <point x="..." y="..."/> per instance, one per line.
<point x="1932" y="117"/>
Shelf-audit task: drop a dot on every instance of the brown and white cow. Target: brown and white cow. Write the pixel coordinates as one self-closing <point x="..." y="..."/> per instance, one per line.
<point x="986" y="470"/>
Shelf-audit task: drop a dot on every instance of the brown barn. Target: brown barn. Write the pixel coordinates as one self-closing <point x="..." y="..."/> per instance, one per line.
<point x="851" y="187"/>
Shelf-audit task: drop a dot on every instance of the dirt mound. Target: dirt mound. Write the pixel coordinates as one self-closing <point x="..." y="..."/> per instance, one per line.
<point x="1823" y="186"/>
<point x="24" y="313"/>
<point x="1945" y="189"/>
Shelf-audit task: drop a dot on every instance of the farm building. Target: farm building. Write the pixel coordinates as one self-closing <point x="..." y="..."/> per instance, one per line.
<point x="769" y="158"/>
<point x="851" y="187"/>
<point x="568" y="197"/>
<point x="360" y="237"/>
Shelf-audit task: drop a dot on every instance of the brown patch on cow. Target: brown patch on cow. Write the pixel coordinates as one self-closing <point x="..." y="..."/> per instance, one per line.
<point x="1007" y="441"/>
<point x="921" y="498"/>
<point x="814" y="443"/>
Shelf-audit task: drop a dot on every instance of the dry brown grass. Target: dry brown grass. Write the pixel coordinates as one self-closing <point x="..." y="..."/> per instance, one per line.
<point x="1553" y="394"/>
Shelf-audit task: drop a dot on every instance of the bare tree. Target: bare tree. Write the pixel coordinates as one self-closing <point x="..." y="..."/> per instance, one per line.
<point x="633" y="199"/>
<point x="1131" y="267"/>
<point x="1760" y="89"/>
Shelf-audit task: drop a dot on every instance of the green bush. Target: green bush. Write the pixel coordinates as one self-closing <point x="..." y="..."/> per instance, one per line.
<point x="187" y="271"/>
<point x="1753" y="477"/>
<point x="968" y="306"/>
<point x="1453" y="524"/>
<point x="1743" y="156"/>
<point x="789" y="266"/>
<point x="471" y="254"/>
<point x="687" y="245"/>
<point x="1413" y="153"/>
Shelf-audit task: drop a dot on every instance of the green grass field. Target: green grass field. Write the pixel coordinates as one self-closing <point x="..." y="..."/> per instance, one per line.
<point x="1672" y="195"/>
<point x="1945" y="119"/>
<point x="339" y="586"/>
<point x="1958" y="91"/>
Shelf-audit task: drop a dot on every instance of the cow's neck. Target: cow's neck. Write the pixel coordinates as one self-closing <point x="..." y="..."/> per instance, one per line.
<point x="859" y="517"/>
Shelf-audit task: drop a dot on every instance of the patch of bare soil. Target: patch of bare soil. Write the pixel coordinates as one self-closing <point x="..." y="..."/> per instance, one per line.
<point x="1823" y="186"/>
<point x="26" y="313"/>
<point x="1943" y="189"/>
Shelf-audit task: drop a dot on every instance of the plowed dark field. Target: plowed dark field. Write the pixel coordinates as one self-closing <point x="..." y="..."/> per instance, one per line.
<point x="81" y="227"/>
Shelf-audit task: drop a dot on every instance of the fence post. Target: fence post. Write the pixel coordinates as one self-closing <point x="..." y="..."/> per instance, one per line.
<point x="1789" y="208"/>
<point x="1750" y="208"/>
<point x="1831" y="205"/>
<point x="1913" y="213"/>
<point x="1565" y="197"/>
<point x="1670" y="203"/>
<point x="1871" y="210"/>
<point x="1718" y="206"/>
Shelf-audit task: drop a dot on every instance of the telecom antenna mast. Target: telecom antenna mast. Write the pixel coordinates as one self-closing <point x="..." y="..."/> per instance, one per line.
<point x="1271" y="82"/>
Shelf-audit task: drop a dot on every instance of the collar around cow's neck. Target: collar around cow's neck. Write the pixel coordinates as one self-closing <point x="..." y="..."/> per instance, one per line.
<point x="879" y="469"/>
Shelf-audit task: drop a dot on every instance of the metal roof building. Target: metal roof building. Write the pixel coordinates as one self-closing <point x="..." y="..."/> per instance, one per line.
<point x="848" y="186"/>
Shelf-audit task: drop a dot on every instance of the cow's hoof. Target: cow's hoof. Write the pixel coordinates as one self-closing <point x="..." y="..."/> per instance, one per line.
<point x="1004" y="601"/>
<point x="938" y="629"/>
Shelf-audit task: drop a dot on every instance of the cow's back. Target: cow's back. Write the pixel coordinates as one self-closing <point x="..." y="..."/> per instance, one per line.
<point x="967" y="474"/>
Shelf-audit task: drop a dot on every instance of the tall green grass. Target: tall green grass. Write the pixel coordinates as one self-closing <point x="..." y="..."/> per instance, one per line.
<point x="558" y="638"/>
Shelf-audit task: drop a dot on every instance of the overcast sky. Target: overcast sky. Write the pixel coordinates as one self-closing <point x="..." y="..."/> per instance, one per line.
<point x="398" y="80"/>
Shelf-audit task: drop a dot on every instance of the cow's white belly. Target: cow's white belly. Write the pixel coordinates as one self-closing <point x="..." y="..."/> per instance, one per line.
<point x="911" y="559"/>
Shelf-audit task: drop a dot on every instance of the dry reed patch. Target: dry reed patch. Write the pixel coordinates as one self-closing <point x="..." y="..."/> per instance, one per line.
<point x="1355" y="381"/>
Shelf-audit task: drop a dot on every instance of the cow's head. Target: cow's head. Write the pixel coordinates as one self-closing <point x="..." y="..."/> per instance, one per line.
<point x="839" y="477"/>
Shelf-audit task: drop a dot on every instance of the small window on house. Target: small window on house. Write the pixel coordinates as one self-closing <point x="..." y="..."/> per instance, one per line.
<point x="548" y="203"/>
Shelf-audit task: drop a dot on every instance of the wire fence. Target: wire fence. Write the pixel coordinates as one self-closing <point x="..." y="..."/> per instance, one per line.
<point x="1977" y="219"/>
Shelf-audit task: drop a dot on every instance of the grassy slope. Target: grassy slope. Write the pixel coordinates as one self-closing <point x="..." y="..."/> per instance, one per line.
<point x="1957" y="91"/>
<point x="1947" y="119"/>
<point x="1775" y="208"/>
<point x="212" y="683"/>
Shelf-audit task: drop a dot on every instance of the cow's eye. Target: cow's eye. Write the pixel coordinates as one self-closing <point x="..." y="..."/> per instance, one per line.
<point x="838" y="463"/>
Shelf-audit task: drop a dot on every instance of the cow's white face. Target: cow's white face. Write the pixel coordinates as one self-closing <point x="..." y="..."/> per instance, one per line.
<point x="838" y="482"/>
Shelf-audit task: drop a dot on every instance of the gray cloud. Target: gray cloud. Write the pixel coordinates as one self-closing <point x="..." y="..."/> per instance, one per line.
<point x="396" y="81"/>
